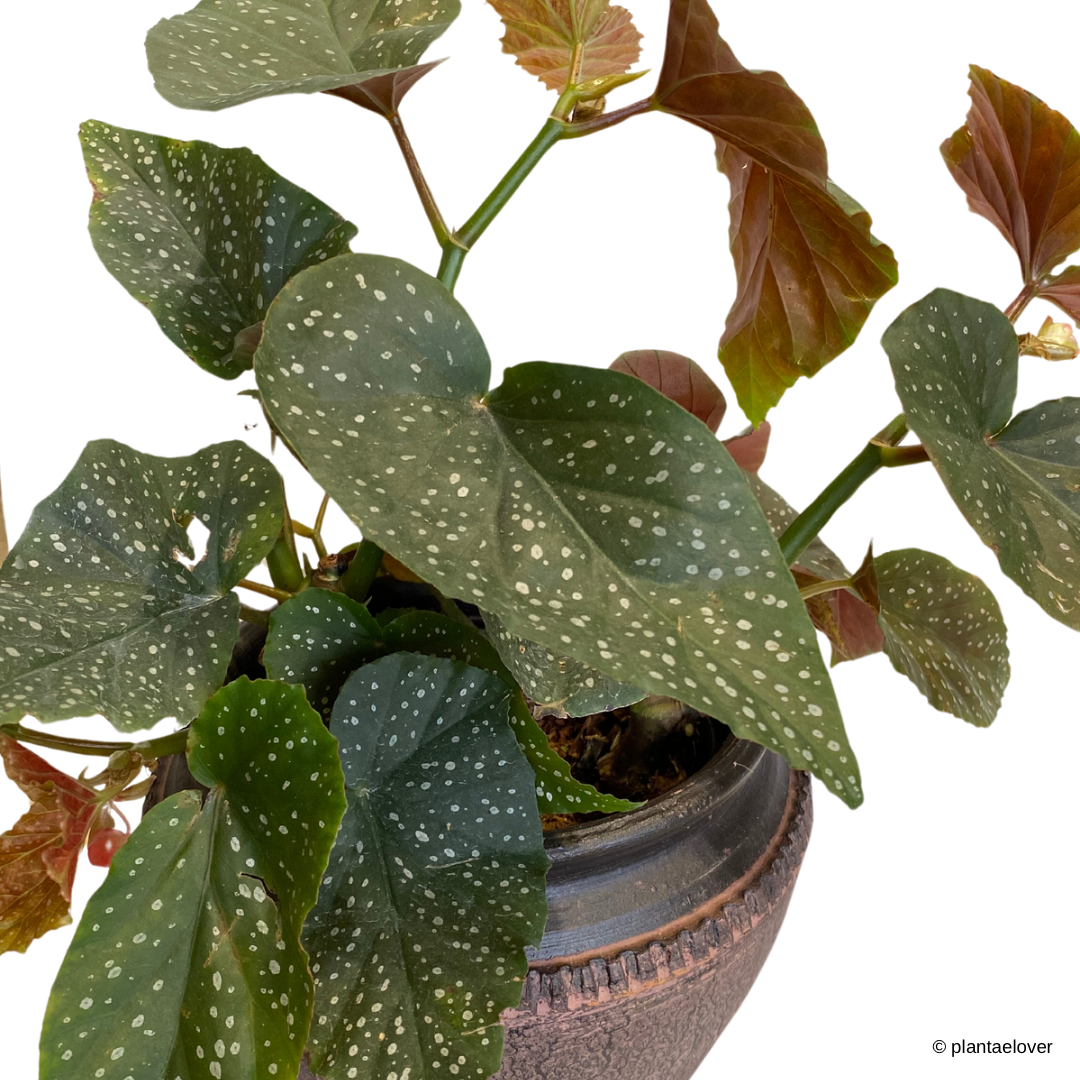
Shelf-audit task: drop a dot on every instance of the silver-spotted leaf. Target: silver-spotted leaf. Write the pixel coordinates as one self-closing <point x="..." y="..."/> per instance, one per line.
<point x="226" y="52"/>
<point x="188" y="959"/>
<point x="436" y="882"/>
<point x="319" y="638"/>
<point x="102" y="609"/>
<point x="943" y="629"/>
<point x="955" y="360"/>
<point x="587" y="511"/>
<point x="558" y="685"/>
<point x="203" y="236"/>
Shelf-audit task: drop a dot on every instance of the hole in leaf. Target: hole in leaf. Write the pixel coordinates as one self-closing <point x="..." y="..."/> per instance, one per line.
<point x="198" y="538"/>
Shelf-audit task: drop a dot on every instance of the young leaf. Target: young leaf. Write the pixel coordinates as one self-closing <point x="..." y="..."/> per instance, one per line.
<point x="749" y="449"/>
<point x="944" y="631"/>
<point x="955" y="360"/>
<point x="1064" y="290"/>
<point x="1054" y="341"/>
<point x="39" y="855"/>
<point x="679" y="379"/>
<point x="319" y="638"/>
<point x="100" y="611"/>
<point x="204" y="237"/>
<point x="1018" y="162"/>
<point x="413" y="962"/>
<point x="754" y="111"/>
<point x="587" y="511"/>
<point x="848" y="621"/>
<point x="188" y="959"/>
<point x="199" y="59"/>
<point x="559" y="685"/>
<point x="809" y="273"/>
<point x="546" y="35"/>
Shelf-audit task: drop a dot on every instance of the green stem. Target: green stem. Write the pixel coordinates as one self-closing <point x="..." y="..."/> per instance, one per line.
<point x="255" y="616"/>
<point x="357" y="580"/>
<point x="316" y="532"/>
<point x="176" y="743"/>
<point x="878" y="454"/>
<point x="475" y="227"/>
<point x="807" y="592"/>
<point x="608" y="120"/>
<point x="284" y="566"/>
<point x="265" y="590"/>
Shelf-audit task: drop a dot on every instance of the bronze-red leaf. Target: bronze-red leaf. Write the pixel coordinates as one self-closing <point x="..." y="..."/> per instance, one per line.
<point x="1064" y="290"/>
<point x="809" y="272"/>
<point x="544" y="35"/>
<point x="749" y="449"/>
<point x="1018" y="162"/>
<point x="678" y="378"/>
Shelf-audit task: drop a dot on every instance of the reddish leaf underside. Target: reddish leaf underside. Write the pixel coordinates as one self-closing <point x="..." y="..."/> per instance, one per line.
<point x="678" y="378"/>
<point x="543" y="36"/>
<point x="1018" y="162"/>
<point x="808" y="269"/>
<point x="1064" y="290"/>
<point x="809" y="272"/>
<point x="42" y="848"/>
<point x="749" y="449"/>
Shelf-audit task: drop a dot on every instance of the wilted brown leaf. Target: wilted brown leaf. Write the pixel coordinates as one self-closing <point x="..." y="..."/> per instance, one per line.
<point x="1018" y="162"/>
<point x="678" y="378"/>
<point x="39" y="855"/>
<point x="1054" y="341"/>
<point x="545" y="34"/>
<point x="809" y="272"/>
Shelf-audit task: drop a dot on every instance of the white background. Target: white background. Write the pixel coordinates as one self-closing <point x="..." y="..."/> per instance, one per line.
<point x="945" y="907"/>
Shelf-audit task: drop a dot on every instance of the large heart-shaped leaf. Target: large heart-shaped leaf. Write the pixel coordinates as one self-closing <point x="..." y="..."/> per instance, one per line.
<point x="547" y="35"/>
<point x="587" y="511"/>
<point x="188" y="960"/>
<point x="436" y="882"/>
<point x="955" y="360"/>
<point x="319" y="638"/>
<point x="225" y="52"/>
<point x="1018" y="162"/>
<point x="101" y="610"/>
<point x="809" y="272"/>
<point x="38" y="856"/>
<point x="944" y="630"/>
<point x="558" y="685"/>
<point x="204" y="237"/>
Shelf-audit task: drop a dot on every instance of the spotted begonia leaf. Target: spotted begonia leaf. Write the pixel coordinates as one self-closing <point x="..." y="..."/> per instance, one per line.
<point x="558" y="685"/>
<point x="955" y="360"/>
<point x="319" y="638"/>
<point x="587" y="511"/>
<point x="944" y="630"/>
<point x="1018" y="162"/>
<point x="188" y="960"/>
<point x="38" y="856"/>
<point x="101" y="610"/>
<point x="226" y="52"/>
<point x="545" y="34"/>
<point x="204" y="237"/>
<point x="436" y="882"/>
<point x="850" y="624"/>
<point x="809" y="272"/>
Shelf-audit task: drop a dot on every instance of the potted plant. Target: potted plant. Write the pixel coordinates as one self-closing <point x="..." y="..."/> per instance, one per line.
<point x="553" y="573"/>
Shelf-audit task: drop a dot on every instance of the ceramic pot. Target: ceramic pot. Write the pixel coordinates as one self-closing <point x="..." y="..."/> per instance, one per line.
<point x="659" y="922"/>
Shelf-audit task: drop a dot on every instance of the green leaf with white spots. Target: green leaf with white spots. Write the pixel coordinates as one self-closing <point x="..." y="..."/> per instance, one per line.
<point x="587" y="511"/>
<point x="955" y="360"/>
<point x="436" y="882"/>
<point x="319" y="638"/>
<point x="226" y="52"/>
<point x="944" y="631"/>
<point x="188" y="959"/>
<point x="102" y="609"/>
<point x="559" y="685"/>
<point x="203" y="236"/>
